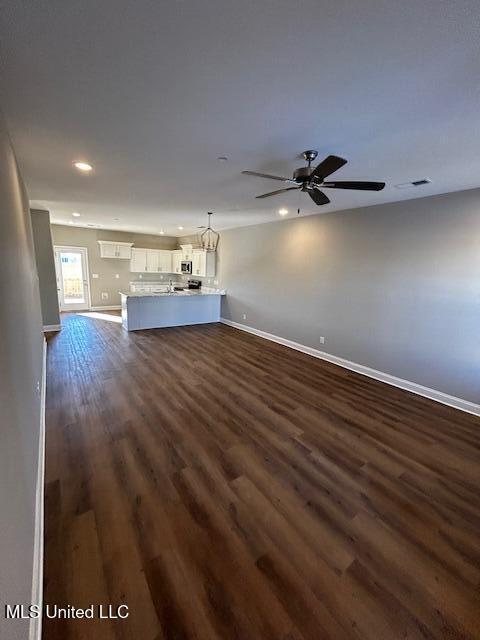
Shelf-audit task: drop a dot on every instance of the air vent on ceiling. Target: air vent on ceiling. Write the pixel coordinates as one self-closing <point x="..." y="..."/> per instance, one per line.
<point x="413" y="183"/>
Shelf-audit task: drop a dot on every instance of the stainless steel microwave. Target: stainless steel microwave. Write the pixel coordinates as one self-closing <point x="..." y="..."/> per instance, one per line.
<point x="186" y="266"/>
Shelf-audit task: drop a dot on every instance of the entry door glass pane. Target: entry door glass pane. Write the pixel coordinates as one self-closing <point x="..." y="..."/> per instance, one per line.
<point x="72" y="277"/>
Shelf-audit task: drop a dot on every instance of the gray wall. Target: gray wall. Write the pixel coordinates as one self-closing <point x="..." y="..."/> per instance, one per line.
<point x="394" y="287"/>
<point x="107" y="268"/>
<point x="21" y="348"/>
<point x="42" y="241"/>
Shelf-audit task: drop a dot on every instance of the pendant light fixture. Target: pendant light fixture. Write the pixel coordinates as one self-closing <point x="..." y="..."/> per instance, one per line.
<point x="209" y="238"/>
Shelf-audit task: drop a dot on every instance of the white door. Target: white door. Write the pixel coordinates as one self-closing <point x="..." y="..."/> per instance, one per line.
<point x="72" y="278"/>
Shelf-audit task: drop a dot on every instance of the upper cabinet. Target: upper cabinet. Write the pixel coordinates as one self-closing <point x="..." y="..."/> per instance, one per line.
<point x="111" y="249"/>
<point x="151" y="261"/>
<point x="177" y="257"/>
<point x="203" y="263"/>
<point x="164" y="261"/>
<point x="187" y="252"/>
<point x="138" y="263"/>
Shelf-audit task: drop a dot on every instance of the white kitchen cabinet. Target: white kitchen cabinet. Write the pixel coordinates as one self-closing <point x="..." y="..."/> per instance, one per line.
<point x="203" y="263"/>
<point x="187" y="252"/>
<point x="138" y="262"/>
<point x="165" y="261"/>
<point x="110" y="249"/>
<point x="177" y="257"/>
<point x="151" y="261"/>
<point x="124" y="251"/>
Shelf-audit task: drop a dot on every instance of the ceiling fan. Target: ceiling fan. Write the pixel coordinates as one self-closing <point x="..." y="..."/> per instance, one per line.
<point x="312" y="180"/>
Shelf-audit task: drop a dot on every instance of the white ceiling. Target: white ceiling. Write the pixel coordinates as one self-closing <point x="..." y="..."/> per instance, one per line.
<point x="152" y="92"/>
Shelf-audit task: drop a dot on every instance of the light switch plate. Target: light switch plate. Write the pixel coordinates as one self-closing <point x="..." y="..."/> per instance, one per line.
<point x="94" y="275"/>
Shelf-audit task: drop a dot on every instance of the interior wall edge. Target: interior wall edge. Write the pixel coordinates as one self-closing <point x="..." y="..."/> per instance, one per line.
<point x="52" y="327"/>
<point x="35" y="631"/>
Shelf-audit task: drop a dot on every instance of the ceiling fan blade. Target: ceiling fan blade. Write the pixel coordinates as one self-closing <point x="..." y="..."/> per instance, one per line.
<point x="328" y="166"/>
<point x="360" y="186"/>
<point x="274" y="193"/>
<point x="318" y="196"/>
<point x="266" y="175"/>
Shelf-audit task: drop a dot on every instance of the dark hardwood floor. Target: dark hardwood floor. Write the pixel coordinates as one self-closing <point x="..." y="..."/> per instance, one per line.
<point x="225" y="487"/>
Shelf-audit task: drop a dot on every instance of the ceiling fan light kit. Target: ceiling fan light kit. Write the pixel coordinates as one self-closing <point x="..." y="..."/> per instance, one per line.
<point x="311" y="180"/>
<point x="209" y="237"/>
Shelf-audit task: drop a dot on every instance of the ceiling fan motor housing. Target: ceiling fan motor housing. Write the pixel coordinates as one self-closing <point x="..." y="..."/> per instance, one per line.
<point x="302" y="173"/>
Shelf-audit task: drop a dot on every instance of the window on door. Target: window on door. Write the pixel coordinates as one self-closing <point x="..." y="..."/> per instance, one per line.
<point x="72" y="280"/>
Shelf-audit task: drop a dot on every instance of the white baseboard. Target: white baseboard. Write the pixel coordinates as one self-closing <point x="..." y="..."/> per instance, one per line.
<point x="52" y="327"/>
<point x="35" y="632"/>
<point x="111" y="307"/>
<point x="413" y="387"/>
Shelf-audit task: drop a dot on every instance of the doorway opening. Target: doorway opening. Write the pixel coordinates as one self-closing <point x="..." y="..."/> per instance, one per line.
<point x="73" y="284"/>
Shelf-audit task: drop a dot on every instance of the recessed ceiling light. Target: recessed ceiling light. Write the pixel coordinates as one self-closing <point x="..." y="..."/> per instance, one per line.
<point x="83" y="166"/>
<point x="75" y="214"/>
<point x="161" y="232"/>
<point x="71" y="222"/>
<point x="180" y="228"/>
<point x="222" y="158"/>
<point x="283" y="211"/>
<point x="116" y="219"/>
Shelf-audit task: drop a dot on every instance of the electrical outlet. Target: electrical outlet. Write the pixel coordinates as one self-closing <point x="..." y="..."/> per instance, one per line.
<point x="94" y="275"/>
<point x="215" y="282"/>
<point x="104" y="295"/>
<point x="322" y="340"/>
<point x="161" y="277"/>
<point x="117" y="275"/>
<point x="244" y="316"/>
<point x="140" y="276"/>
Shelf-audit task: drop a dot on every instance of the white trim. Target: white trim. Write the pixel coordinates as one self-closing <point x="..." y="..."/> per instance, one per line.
<point x="35" y="632"/>
<point x="413" y="387"/>
<point x="52" y="327"/>
<point x="111" y="307"/>
<point x="122" y="244"/>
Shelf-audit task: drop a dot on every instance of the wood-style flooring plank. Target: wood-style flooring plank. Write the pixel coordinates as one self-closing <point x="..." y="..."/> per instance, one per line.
<point x="227" y="487"/>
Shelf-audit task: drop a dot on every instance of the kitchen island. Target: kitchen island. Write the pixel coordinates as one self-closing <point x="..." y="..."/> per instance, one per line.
<point x="170" y="308"/>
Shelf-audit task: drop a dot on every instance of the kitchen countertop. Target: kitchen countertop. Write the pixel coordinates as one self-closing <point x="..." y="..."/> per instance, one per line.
<point x="173" y="294"/>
